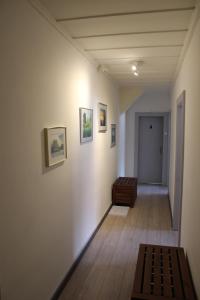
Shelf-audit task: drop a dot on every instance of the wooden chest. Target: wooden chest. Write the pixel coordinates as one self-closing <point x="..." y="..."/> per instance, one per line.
<point x="162" y="273"/>
<point x="124" y="191"/>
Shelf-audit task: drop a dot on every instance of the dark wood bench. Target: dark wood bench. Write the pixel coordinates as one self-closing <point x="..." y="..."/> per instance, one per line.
<point x="162" y="273"/>
<point x="124" y="191"/>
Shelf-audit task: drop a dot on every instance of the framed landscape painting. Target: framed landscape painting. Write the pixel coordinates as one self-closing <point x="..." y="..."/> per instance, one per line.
<point x="102" y="117"/>
<point x="55" y="145"/>
<point x="113" y="135"/>
<point x="86" y="125"/>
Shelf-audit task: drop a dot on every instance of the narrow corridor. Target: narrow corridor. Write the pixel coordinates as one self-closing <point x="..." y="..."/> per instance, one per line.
<point x="107" y="269"/>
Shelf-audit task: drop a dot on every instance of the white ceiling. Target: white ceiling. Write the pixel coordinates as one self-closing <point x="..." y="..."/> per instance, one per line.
<point x="115" y="33"/>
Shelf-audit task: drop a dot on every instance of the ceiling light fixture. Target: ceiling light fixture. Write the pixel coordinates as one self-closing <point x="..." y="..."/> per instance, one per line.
<point x="102" y="68"/>
<point x="134" y="67"/>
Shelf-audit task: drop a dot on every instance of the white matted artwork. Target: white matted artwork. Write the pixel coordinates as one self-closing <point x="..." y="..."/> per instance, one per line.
<point x="55" y="145"/>
<point x="86" y="125"/>
<point x="102" y="117"/>
<point x="113" y="135"/>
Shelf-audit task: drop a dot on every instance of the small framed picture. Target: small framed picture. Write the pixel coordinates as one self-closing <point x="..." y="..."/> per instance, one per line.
<point x="86" y="125"/>
<point x="102" y="117"/>
<point x="55" y="145"/>
<point x="113" y="135"/>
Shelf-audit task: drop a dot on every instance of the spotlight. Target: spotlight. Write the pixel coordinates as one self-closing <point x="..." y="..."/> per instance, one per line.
<point x="102" y="68"/>
<point x="134" y="68"/>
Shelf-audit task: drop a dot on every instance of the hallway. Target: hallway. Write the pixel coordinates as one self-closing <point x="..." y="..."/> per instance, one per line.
<point x="75" y="81"/>
<point x="107" y="269"/>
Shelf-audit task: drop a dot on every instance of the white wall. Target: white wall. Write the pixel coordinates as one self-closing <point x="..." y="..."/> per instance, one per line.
<point x="47" y="215"/>
<point x="152" y="100"/>
<point x="122" y="135"/>
<point x="189" y="80"/>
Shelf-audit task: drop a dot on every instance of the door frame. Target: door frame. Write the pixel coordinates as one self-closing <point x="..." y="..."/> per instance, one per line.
<point x="166" y="143"/>
<point x="179" y="164"/>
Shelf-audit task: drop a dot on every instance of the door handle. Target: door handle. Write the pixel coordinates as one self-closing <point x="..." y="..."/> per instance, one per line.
<point x="161" y="150"/>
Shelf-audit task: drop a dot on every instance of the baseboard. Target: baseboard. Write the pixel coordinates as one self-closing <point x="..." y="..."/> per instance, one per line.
<point x="67" y="277"/>
<point x="170" y="210"/>
<point x="190" y="274"/>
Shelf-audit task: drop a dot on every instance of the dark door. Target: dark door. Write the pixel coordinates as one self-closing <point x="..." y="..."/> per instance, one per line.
<point x="150" y="158"/>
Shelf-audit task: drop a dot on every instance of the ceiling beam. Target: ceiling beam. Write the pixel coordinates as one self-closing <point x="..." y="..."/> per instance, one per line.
<point x="107" y="60"/>
<point x="136" y="47"/>
<point x="190" y="8"/>
<point x="128" y="33"/>
<point x="168" y="73"/>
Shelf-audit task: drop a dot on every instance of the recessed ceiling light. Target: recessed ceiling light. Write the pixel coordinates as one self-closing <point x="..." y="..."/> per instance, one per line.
<point x="136" y="73"/>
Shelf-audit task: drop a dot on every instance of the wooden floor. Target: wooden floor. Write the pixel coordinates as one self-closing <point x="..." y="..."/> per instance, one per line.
<point x="106" y="271"/>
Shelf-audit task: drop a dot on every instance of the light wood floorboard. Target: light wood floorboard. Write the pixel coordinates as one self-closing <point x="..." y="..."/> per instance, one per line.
<point x="106" y="271"/>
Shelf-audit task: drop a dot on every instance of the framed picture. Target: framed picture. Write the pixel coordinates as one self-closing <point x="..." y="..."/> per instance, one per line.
<point x="102" y="117"/>
<point x="113" y="135"/>
<point x="86" y="125"/>
<point x="55" y="145"/>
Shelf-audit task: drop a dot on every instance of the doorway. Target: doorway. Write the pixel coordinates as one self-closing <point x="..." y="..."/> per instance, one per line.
<point x="150" y="150"/>
<point x="151" y="158"/>
<point x="179" y="163"/>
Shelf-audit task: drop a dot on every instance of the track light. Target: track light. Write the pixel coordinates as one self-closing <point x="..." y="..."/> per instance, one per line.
<point x="102" y="68"/>
<point x="134" y="67"/>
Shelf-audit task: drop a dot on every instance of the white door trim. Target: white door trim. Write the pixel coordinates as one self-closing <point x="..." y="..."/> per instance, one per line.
<point x="179" y="163"/>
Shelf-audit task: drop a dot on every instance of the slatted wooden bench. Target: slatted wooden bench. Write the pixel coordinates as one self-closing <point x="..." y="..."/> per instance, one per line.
<point x="162" y="274"/>
<point x="124" y="191"/>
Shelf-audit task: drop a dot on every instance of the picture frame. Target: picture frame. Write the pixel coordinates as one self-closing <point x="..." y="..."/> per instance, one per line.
<point x="86" y="125"/>
<point x="102" y="117"/>
<point x="55" y="145"/>
<point x="113" y="135"/>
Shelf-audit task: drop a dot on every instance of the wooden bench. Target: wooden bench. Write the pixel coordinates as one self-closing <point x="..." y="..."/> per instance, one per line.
<point x="162" y="274"/>
<point x="124" y="191"/>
